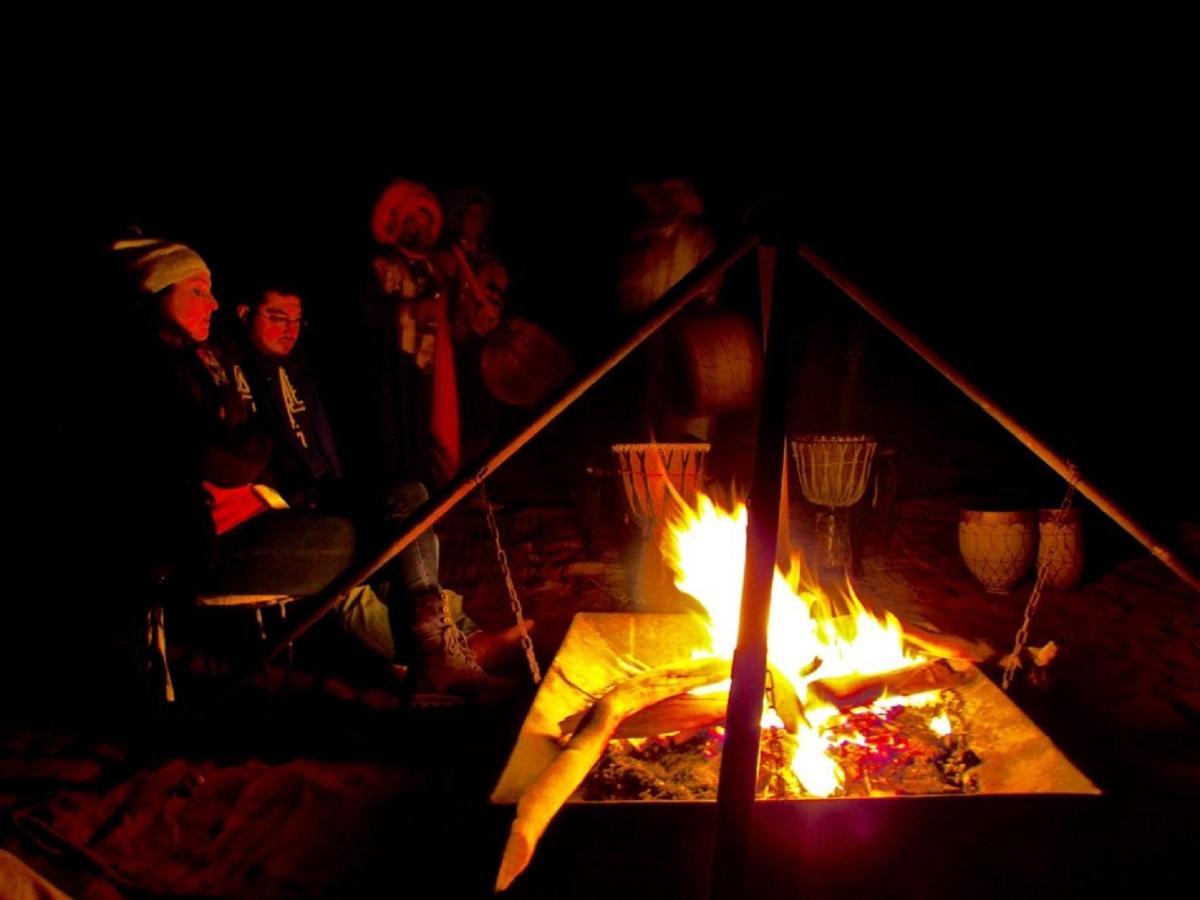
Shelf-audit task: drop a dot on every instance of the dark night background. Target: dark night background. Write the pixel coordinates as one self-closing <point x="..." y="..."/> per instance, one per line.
<point x="1035" y="233"/>
<point x="1055" y="275"/>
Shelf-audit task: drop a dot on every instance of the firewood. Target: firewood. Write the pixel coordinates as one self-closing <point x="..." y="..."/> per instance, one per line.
<point x="946" y="646"/>
<point x="684" y="712"/>
<point x="787" y="703"/>
<point x="559" y="780"/>
<point x="848" y="691"/>
<point x="690" y="712"/>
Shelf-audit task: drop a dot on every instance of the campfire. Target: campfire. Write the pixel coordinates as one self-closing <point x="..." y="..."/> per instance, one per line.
<point x="826" y="655"/>
<point x="856" y="704"/>
<point x="852" y="708"/>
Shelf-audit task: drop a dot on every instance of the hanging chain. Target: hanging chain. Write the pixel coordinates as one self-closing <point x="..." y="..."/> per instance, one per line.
<point x="514" y="601"/>
<point x="1012" y="662"/>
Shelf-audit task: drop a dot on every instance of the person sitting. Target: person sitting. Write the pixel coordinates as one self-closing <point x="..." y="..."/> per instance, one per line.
<point x="305" y="466"/>
<point x="199" y="426"/>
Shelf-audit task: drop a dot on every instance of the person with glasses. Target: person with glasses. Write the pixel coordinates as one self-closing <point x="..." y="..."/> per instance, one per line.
<point x="306" y="467"/>
<point x="192" y="420"/>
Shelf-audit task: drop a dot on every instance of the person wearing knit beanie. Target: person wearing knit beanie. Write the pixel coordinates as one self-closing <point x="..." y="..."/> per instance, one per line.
<point x="177" y="275"/>
<point x="157" y="264"/>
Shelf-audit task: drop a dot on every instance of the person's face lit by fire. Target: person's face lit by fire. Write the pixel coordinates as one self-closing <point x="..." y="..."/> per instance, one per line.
<point x="274" y="327"/>
<point x="190" y="304"/>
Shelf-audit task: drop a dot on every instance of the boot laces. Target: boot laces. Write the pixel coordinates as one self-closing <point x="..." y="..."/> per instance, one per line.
<point x="457" y="650"/>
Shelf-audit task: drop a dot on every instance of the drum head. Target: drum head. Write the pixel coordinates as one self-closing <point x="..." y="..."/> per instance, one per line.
<point x="522" y="362"/>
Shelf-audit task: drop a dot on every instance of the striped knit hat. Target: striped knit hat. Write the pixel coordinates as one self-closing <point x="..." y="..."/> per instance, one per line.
<point x="158" y="264"/>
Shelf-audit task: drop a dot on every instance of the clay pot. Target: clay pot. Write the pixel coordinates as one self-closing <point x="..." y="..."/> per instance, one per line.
<point x="1060" y="548"/>
<point x="997" y="546"/>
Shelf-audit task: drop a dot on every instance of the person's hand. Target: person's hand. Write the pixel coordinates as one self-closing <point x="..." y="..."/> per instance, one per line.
<point x="486" y="313"/>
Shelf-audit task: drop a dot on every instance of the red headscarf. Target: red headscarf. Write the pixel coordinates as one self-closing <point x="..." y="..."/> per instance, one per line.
<point x="400" y="200"/>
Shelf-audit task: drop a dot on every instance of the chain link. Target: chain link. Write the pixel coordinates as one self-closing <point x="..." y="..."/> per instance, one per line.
<point x="514" y="601"/>
<point x="1013" y="661"/>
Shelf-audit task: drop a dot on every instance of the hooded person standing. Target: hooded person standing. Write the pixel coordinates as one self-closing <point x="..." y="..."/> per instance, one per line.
<point x="407" y="318"/>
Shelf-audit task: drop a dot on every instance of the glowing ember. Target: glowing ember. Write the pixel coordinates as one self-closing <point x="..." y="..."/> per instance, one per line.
<point x="810" y="636"/>
<point x="883" y="750"/>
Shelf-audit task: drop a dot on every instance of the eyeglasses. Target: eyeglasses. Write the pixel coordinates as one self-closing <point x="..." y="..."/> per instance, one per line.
<point x="282" y="321"/>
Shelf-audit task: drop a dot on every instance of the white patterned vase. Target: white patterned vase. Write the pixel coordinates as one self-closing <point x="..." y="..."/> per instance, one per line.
<point x="1060" y="548"/>
<point x="997" y="546"/>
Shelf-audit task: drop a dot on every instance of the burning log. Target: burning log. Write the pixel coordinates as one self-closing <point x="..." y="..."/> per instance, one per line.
<point x="684" y="712"/>
<point x="560" y="779"/>
<point x="690" y="712"/>
<point x="849" y="691"/>
<point x="785" y="700"/>
<point x="946" y="646"/>
<point x="885" y="751"/>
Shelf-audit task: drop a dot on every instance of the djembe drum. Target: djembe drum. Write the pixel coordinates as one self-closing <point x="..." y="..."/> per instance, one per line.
<point x="650" y="473"/>
<point x="654" y="476"/>
<point x="833" y="470"/>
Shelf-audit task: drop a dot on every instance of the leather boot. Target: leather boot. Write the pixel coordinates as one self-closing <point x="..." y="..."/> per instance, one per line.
<point x="442" y="660"/>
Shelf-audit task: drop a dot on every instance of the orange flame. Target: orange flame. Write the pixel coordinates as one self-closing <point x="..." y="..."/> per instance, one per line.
<point x="810" y="635"/>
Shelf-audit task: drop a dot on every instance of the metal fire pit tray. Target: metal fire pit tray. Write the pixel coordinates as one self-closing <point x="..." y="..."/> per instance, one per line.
<point x="1017" y="757"/>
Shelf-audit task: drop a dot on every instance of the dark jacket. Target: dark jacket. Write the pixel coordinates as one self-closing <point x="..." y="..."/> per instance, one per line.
<point x="185" y="423"/>
<point x="305" y="466"/>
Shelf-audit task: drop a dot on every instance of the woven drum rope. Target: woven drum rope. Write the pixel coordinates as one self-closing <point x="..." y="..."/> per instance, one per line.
<point x="648" y="471"/>
<point x="833" y="470"/>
